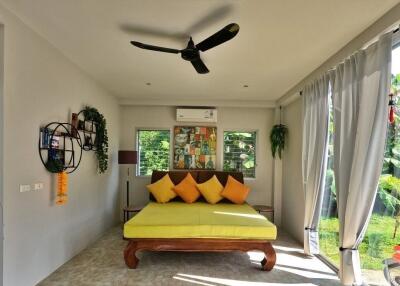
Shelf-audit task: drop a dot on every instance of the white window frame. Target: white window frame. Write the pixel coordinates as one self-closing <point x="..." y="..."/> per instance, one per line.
<point x="137" y="130"/>
<point x="242" y="130"/>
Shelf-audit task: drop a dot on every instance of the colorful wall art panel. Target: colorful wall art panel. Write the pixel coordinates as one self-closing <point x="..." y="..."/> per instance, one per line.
<point x="195" y="147"/>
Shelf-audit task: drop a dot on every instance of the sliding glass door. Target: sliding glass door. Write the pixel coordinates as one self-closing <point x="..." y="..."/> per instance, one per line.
<point x="383" y="231"/>
<point x="329" y="224"/>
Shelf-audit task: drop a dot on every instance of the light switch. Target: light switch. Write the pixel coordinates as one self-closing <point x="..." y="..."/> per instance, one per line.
<point x="24" y="188"/>
<point x="38" y="186"/>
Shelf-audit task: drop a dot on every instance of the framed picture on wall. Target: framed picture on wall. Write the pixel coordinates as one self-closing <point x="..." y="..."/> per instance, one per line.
<point x="195" y="147"/>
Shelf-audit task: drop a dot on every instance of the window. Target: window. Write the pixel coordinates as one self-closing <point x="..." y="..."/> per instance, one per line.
<point x="240" y="152"/>
<point x="153" y="146"/>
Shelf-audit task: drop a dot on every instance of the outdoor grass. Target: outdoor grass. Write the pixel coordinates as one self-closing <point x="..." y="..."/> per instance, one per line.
<point x="377" y="244"/>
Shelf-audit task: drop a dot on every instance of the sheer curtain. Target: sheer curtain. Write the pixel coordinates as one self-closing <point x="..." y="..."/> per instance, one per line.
<point x="360" y="88"/>
<point x="314" y="157"/>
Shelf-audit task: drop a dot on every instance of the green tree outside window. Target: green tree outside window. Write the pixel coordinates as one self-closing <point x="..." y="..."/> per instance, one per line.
<point x="153" y="146"/>
<point x="240" y="152"/>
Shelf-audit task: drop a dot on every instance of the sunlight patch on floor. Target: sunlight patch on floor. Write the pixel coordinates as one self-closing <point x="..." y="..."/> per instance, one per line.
<point x="307" y="267"/>
<point x="207" y="281"/>
<point x="256" y="255"/>
<point x="291" y="249"/>
<point x="306" y="273"/>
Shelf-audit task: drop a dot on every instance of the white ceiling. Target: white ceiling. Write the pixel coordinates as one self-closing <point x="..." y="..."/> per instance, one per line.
<point x="279" y="42"/>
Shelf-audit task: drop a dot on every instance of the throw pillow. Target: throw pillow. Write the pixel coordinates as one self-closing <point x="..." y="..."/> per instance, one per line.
<point x="162" y="190"/>
<point x="235" y="191"/>
<point x="211" y="190"/>
<point x="187" y="189"/>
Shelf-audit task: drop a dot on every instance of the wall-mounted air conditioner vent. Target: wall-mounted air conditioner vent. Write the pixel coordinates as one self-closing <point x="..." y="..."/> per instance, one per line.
<point x="196" y="114"/>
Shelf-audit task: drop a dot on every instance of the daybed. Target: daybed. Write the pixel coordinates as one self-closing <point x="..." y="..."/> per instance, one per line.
<point x="178" y="226"/>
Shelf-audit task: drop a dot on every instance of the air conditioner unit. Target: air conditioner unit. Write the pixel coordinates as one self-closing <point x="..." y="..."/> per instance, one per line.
<point x="196" y="114"/>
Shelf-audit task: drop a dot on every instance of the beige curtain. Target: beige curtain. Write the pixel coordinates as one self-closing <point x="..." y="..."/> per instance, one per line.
<point x="314" y="157"/>
<point x="360" y="99"/>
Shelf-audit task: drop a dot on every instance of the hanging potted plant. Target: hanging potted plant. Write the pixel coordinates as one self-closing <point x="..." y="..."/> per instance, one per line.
<point x="101" y="140"/>
<point x="277" y="137"/>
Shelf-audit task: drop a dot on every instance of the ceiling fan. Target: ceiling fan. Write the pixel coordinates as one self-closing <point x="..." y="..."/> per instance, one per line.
<point x="192" y="52"/>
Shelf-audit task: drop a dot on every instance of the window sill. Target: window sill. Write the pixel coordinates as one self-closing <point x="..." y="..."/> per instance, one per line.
<point x="142" y="176"/>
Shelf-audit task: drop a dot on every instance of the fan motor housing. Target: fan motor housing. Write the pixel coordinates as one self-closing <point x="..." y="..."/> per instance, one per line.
<point x="190" y="54"/>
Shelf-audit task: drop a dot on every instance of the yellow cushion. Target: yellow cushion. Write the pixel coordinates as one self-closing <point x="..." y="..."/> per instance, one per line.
<point x="187" y="189"/>
<point x="162" y="189"/>
<point x="199" y="220"/>
<point x="235" y="191"/>
<point x="211" y="190"/>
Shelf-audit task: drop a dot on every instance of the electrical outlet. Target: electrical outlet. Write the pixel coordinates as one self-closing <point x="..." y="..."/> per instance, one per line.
<point x="24" y="188"/>
<point x="38" y="186"/>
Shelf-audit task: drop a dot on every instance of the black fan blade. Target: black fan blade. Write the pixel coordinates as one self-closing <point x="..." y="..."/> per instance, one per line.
<point x="199" y="66"/>
<point x="155" y="48"/>
<point x="219" y="37"/>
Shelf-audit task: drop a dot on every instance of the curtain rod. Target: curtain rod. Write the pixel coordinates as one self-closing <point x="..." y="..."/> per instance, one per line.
<point x="394" y="31"/>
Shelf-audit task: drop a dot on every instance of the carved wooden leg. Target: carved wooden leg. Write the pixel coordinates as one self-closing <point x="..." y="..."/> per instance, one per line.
<point x="129" y="255"/>
<point x="270" y="258"/>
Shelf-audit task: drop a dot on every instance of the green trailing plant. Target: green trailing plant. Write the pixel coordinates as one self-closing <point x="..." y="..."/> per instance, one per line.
<point x="101" y="141"/>
<point x="277" y="137"/>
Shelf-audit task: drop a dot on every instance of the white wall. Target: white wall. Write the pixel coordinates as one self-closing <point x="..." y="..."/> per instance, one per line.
<point x="292" y="192"/>
<point x="41" y="85"/>
<point x="1" y="148"/>
<point x="387" y="22"/>
<point x="229" y="118"/>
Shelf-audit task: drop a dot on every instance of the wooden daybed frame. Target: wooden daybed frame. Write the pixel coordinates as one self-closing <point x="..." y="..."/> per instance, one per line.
<point x="198" y="244"/>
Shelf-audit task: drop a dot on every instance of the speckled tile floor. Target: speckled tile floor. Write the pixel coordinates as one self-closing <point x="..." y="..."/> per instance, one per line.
<point x="102" y="264"/>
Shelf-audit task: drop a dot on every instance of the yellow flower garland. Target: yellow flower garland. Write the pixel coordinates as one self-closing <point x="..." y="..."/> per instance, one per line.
<point x="62" y="196"/>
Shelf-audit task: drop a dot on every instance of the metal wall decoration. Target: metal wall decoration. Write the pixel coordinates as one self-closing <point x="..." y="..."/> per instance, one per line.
<point x="95" y="137"/>
<point x="60" y="147"/>
<point x="87" y="128"/>
<point x="61" y="144"/>
<point x="195" y="147"/>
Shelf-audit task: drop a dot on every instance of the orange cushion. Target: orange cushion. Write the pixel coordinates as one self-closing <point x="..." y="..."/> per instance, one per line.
<point x="235" y="191"/>
<point x="187" y="189"/>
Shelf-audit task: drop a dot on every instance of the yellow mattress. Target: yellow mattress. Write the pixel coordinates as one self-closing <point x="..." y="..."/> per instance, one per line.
<point x="199" y="220"/>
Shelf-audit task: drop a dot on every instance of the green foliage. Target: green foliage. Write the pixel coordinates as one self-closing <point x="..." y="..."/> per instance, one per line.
<point x="377" y="244"/>
<point x="239" y="148"/>
<point x="391" y="202"/>
<point x="390" y="183"/>
<point x="277" y="138"/>
<point x="395" y="83"/>
<point x="153" y="151"/>
<point x="389" y="192"/>
<point x="330" y="183"/>
<point x="392" y="148"/>
<point x="101" y="141"/>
